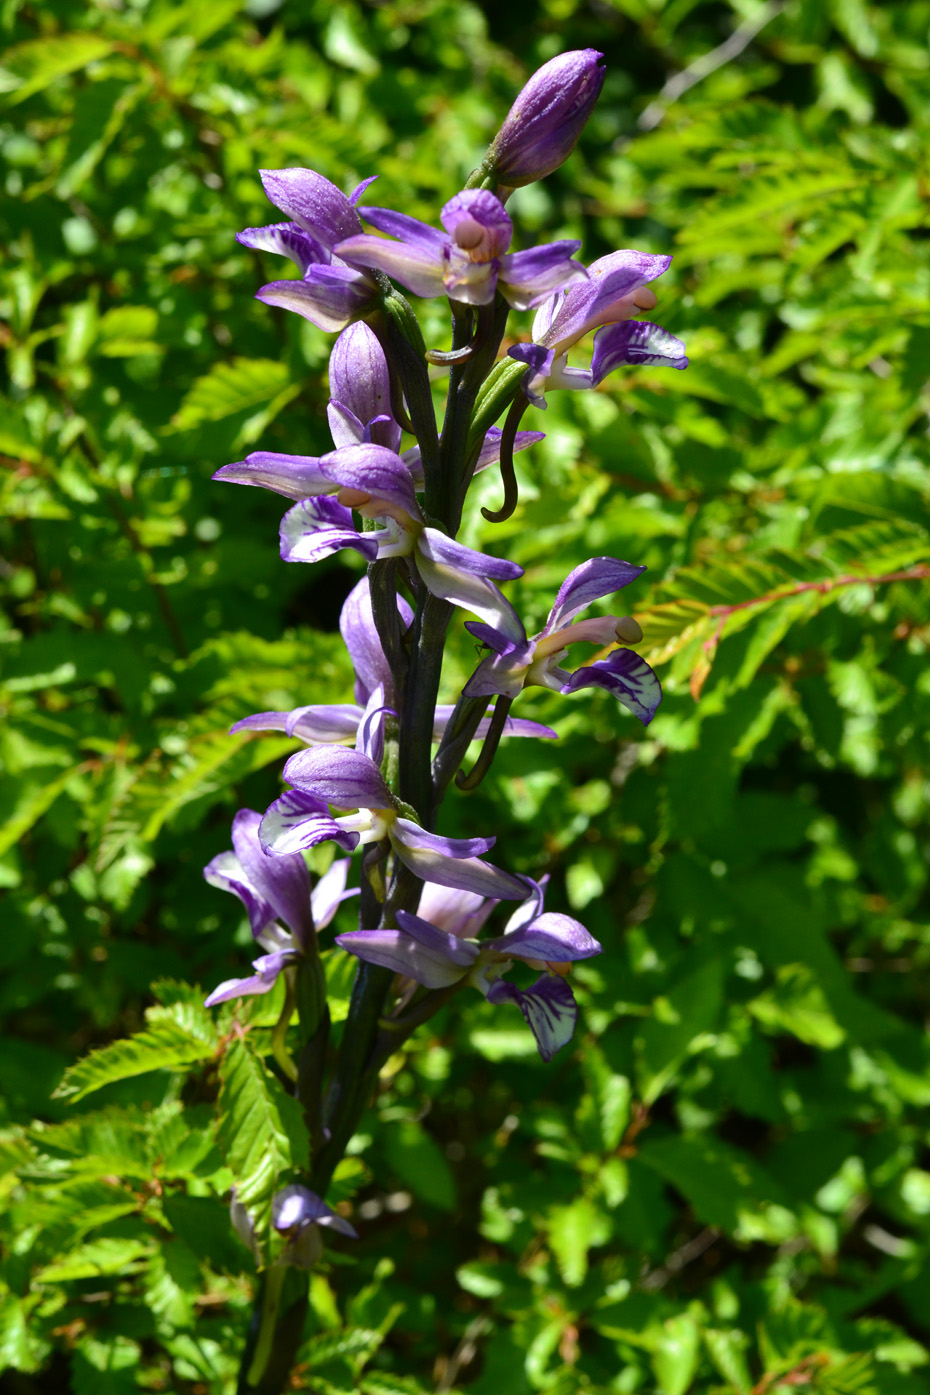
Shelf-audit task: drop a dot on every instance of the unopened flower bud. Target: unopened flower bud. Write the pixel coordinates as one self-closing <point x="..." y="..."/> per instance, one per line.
<point x="544" y="123"/>
<point x="628" y="631"/>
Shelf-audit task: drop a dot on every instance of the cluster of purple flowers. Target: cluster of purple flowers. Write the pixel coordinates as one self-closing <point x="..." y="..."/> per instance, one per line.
<point x="426" y="897"/>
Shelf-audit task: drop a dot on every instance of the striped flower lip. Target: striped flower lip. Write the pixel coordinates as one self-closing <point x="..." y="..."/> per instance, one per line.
<point x="516" y="662"/>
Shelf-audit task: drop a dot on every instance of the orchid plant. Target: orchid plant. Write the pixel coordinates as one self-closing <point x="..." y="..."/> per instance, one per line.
<point x="376" y="769"/>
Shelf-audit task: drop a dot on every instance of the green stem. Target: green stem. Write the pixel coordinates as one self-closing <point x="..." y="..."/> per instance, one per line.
<point x="277" y="1329"/>
<point x="279" y="1035"/>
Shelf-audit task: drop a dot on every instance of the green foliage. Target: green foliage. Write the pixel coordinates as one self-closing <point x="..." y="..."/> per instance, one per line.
<point x="722" y="1189"/>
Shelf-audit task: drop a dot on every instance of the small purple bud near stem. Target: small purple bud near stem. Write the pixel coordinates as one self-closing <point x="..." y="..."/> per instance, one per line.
<point x="542" y="127"/>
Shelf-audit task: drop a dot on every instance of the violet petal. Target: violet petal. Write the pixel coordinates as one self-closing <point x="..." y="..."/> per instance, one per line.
<point x="346" y="779"/>
<point x="318" y="527"/>
<point x="287" y="240"/>
<point x="551" y="937"/>
<point x="400" y="952"/>
<point x="296" y="820"/>
<point x="598" y="577"/>
<point x="294" y="476"/>
<point x="549" y="1008"/>
<point x="627" y="676"/>
<point x="313" y="202"/>
<point x="635" y="342"/>
<point x="419" y="270"/>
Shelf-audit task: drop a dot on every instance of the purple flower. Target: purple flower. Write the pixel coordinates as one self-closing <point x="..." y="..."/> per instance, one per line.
<point x="544" y="123"/>
<point x="273" y="890"/>
<point x="616" y="288"/>
<point x="329" y="293"/>
<point x="469" y="262"/>
<point x="333" y="776"/>
<point x="298" y="1213"/>
<point x="377" y="484"/>
<point x="517" y="662"/>
<point x="436" y="958"/>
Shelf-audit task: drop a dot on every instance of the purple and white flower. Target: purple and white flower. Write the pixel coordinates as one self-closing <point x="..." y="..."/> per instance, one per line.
<point x="376" y="483"/>
<point x="273" y="890"/>
<point x="469" y="261"/>
<point x="329" y="293"/>
<point x="615" y="289"/>
<point x="298" y="1213"/>
<point x="440" y="957"/>
<point x="518" y="662"/>
<point x="351" y="780"/>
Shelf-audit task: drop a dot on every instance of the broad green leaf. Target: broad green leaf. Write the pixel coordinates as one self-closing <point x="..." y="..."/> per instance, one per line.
<point x="677" y="1354"/>
<point x="573" y="1231"/>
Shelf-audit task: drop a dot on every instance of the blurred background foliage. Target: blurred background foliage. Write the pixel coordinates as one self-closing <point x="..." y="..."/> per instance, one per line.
<point x="724" y="1185"/>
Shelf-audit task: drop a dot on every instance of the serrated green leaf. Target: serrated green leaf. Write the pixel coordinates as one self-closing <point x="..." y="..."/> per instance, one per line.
<point x="108" y="1255"/>
<point x="262" y="1134"/>
<point x="165" y="1045"/>
<point x="242" y="385"/>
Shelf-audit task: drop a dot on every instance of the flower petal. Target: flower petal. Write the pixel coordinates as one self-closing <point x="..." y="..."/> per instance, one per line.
<point x="329" y="893"/>
<point x="513" y="726"/>
<point x="313" y="202"/>
<point x="328" y="296"/>
<point x="360" y="634"/>
<point x="283" y="881"/>
<point x="318" y="527"/>
<point x="610" y="280"/>
<point x="232" y="988"/>
<point x="417" y="269"/>
<point x="529" y="278"/>
<point x="294" y="476"/>
<point x="550" y="937"/>
<point x="372" y="470"/>
<point x="288" y="240"/>
<point x="635" y="342"/>
<point x="297" y="821"/>
<point x="600" y="576"/>
<point x="627" y="676"/>
<point x="429" y="857"/>
<point x="549" y="1008"/>
<point x="407" y="229"/>
<point x="490" y="452"/>
<point x="400" y="952"/>
<point x="501" y="673"/>
<point x="227" y="873"/>
<point x="452" y="948"/>
<point x="296" y="1207"/>
<point x="343" y="778"/>
<point x="324" y="723"/>
<point x="358" y="374"/>
<point x="458" y="574"/>
<point x="457" y="912"/>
